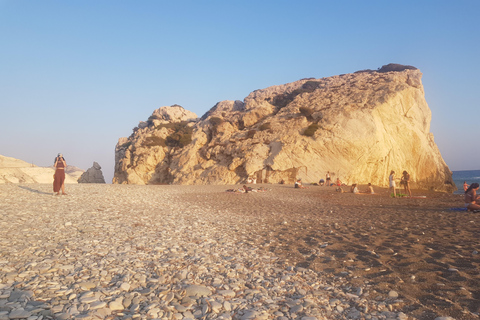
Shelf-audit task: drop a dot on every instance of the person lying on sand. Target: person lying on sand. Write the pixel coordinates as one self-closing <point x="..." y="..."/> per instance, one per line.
<point x="246" y="189"/>
<point x="236" y="190"/>
<point x="243" y="189"/>
<point x="471" y="198"/>
<point x="250" y="189"/>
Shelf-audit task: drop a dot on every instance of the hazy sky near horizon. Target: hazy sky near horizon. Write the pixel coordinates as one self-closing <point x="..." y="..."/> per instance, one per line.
<point x="77" y="75"/>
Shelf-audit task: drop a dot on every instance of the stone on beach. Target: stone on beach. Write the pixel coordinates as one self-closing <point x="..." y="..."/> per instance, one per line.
<point x="197" y="291"/>
<point x="125" y="286"/>
<point x="393" y="294"/>
<point x="116" y="304"/>
<point x="19" y="314"/>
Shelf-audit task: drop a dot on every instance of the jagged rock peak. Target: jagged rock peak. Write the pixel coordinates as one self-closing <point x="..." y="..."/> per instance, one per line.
<point x="170" y="114"/>
<point x="358" y="126"/>
<point x="92" y="175"/>
<point x="390" y="67"/>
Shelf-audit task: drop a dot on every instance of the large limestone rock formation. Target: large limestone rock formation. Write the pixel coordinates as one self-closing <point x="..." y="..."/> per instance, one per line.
<point x="18" y="171"/>
<point x="359" y="126"/>
<point x="92" y="175"/>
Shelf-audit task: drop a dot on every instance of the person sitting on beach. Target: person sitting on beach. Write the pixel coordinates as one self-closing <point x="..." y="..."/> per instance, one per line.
<point x="369" y="189"/>
<point x="465" y="185"/>
<point x="354" y="188"/>
<point x="471" y="198"/>
<point x="298" y="184"/>
<point x="339" y="183"/>
<point x="321" y="182"/>
<point x="406" y="183"/>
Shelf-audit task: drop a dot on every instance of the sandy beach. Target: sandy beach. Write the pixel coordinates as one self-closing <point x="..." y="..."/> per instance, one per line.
<point x="191" y="252"/>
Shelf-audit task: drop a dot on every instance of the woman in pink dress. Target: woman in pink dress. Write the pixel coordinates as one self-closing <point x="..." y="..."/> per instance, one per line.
<point x="59" y="177"/>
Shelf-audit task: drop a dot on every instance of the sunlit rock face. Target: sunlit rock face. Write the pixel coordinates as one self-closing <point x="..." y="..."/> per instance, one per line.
<point x="357" y="126"/>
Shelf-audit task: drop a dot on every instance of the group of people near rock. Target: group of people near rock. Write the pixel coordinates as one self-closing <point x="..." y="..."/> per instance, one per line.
<point x="329" y="182"/>
<point x="338" y="184"/>
<point x="369" y="190"/>
<point x="405" y="181"/>
<point x="472" y="200"/>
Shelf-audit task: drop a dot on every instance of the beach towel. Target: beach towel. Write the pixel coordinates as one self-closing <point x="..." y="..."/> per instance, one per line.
<point x="459" y="209"/>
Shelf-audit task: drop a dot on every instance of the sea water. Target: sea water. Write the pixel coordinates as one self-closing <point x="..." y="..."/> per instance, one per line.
<point x="465" y="175"/>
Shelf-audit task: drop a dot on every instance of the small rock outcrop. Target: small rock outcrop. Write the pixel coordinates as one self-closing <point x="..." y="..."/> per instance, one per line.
<point x="18" y="171"/>
<point x="358" y="126"/>
<point x="92" y="175"/>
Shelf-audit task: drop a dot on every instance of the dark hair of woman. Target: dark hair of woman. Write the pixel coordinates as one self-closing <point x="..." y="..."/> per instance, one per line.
<point x="472" y="186"/>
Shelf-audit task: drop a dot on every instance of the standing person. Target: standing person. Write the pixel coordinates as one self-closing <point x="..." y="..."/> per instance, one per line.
<point x="327" y="178"/>
<point x="406" y="183"/>
<point x="59" y="176"/>
<point x="465" y="186"/>
<point x="391" y="180"/>
<point x="471" y="197"/>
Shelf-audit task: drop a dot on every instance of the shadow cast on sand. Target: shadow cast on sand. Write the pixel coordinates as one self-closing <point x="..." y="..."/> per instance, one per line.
<point x="35" y="190"/>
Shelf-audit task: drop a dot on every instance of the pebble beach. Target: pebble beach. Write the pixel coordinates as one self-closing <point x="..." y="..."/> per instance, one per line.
<point x="198" y="252"/>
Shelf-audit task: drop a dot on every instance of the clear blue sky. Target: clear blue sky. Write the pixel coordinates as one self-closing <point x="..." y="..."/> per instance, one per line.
<point x="77" y="75"/>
